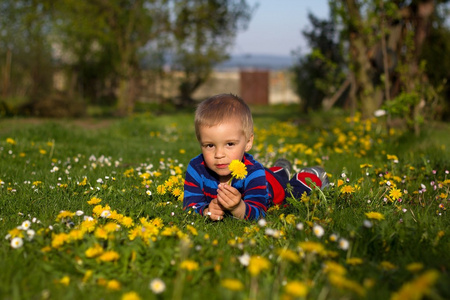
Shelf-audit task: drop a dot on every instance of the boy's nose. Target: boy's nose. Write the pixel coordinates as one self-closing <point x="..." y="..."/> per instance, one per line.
<point x="219" y="153"/>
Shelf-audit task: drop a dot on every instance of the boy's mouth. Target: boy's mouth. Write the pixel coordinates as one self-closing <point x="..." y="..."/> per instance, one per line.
<point x="221" y="166"/>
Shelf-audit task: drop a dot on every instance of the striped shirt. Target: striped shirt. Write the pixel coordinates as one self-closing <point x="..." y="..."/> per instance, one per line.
<point x="201" y="184"/>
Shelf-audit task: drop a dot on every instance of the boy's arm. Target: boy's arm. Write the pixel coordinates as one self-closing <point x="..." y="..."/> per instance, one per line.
<point x="253" y="205"/>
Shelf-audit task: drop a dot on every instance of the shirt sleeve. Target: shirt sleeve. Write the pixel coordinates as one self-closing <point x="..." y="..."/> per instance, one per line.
<point x="193" y="191"/>
<point x="255" y="192"/>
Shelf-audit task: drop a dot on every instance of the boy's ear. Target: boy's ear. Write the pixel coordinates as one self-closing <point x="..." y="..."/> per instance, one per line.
<point x="249" y="144"/>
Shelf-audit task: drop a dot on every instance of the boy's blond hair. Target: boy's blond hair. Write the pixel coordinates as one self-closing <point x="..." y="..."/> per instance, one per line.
<point x="220" y="108"/>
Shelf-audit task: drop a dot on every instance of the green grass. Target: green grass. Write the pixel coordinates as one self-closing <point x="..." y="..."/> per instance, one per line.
<point x="43" y="164"/>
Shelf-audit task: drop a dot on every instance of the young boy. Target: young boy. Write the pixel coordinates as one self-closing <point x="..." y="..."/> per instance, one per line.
<point x="224" y="129"/>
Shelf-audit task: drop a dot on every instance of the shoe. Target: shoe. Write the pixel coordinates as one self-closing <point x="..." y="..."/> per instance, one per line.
<point x="285" y="164"/>
<point x="319" y="172"/>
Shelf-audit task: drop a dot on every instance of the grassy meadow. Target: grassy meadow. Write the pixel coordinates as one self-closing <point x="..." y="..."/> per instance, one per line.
<point x="92" y="209"/>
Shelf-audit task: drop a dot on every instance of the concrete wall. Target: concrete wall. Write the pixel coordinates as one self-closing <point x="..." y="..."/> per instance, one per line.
<point x="280" y="86"/>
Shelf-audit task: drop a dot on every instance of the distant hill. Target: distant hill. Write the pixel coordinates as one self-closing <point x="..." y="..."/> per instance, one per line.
<point x="257" y="61"/>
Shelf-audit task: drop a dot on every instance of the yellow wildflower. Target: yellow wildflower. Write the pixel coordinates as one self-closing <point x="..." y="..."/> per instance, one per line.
<point x="127" y="222"/>
<point x="296" y="289"/>
<point x="417" y="288"/>
<point x="113" y="285"/>
<point x="65" y="280"/>
<point x="15" y="233"/>
<point x="344" y="283"/>
<point x="88" y="225"/>
<point x="192" y="229"/>
<point x="258" y="264"/>
<point x="288" y="255"/>
<point x="94" y="201"/>
<point x="109" y="256"/>
<point x="395" y="193"/>
<point x="392" y="157"/>
<point x="59" y="239"/>
<point x="64" y="214"/>
<point x="189" y="265"/>
<point x="94" y="251"/>
<point x="347" y="189"/>
<point x="232" y="284"/>
<point x="312" y="247"/>
<point x="87" y="275"/>
<point x="387" y="266"/>
<point x="238" y="169"/>
<point x="161" y="189"/>
<point x="10" y="141"/>
<point x="414" y="267"/>
<point x="76" y="235"/>
<point x="331" y="267"/>
<point x="374" y="215"/>
<point x="131" y="296"/>
<point x="354" y="261"/>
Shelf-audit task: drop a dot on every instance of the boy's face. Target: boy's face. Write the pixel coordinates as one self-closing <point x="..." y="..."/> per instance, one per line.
<point x="222" y="144"/>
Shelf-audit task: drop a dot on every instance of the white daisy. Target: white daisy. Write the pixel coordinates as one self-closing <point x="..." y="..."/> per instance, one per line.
<point x="157" y="286"/>
<point x="16" y="242"/>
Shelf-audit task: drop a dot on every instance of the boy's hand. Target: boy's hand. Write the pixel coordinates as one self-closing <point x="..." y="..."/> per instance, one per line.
<point x="215" y="211"/>
<point x="230" y="199"/>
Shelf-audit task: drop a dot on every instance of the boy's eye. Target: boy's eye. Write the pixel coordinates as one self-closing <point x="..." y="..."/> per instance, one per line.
<point x="230" y="144"/>
<point x="208" y="145"/>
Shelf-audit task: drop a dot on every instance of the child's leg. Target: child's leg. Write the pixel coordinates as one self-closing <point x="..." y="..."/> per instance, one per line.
<point x="300" y="183"/>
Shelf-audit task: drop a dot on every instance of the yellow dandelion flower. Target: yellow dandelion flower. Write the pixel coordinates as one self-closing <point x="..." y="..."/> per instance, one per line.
<point x="238" y="169"/>
<point x="76" y="235"/>
<point x="387" y="266"/>
<point x="94" y="251"/>
<point x="161" y="189"/>
<point x="340" y="182"/>
<point x="257" y="264"/>
<point x="331" y="267"/>
<point x="313" y="247"/>
<point x="374" y="215"/>
<point x="192" y="229"/>
<point x="94" y="201"/>
<point x="392" y="157"/>
<point x="127" y="222"/>
<point x="395" y="193"/>
<point x="296" y="289"/>
<point x="176" y="192"/>
<point x="15" y="233"/>
<point x="113" y="285"/>
<point x="59" y="239"/>
<point x="414" y="267"/>
<point x="347" y="189"/>
<point x="65" y="280"/>
<point x="417" y="288"/>
<point x="64" y="214"/>
<point x="111" y="227"/>
<point x="354" y="261"/>
<point x="88" y="225"/>
<point x="344" y="283"/>
<point x="362" y="166"/>
<point x="101" y="233"/>
<point x="288" y="255"/>
<point x="232" y="284"/>
<point x="189" y="265"/>
<point x="131" y="296"/>
<point x="108" y="256"/>
<point x="10" y="141"/>
<point x="87" y="275"/>
<point x="42" y="151"/>
<point x="83" y="182"/>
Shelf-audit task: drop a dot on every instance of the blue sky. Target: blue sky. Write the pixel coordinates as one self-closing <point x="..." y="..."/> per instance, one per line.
<point x="276" y="25"/>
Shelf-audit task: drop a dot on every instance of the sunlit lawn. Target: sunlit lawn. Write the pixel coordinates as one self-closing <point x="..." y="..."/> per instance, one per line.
<point x="91" y="209"/>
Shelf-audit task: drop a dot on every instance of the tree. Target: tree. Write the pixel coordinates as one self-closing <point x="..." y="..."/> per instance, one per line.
<point x="203" y="31"/>
<point x="318" y="73"/>
<point x="111" y="35"/>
